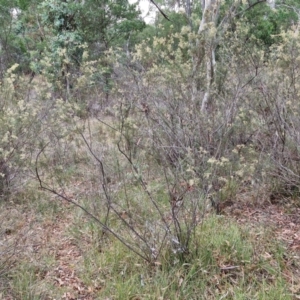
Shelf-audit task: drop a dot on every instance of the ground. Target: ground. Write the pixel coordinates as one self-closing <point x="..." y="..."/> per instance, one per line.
<point x="46" y="247"/>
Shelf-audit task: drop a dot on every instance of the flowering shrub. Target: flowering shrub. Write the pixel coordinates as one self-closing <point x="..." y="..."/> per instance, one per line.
<point x="18" y="130"/>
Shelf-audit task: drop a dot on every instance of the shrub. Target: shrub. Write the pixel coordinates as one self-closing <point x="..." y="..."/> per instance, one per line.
<point x="18" y="128"/>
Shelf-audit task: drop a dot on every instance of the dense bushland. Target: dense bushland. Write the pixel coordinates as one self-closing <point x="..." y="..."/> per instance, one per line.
<point x="150" y="128"/>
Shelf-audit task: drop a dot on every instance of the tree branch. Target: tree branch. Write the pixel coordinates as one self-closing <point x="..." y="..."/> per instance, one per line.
<point x="164" y="15"/>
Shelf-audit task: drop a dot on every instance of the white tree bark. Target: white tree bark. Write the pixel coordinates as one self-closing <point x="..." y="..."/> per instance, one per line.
<point x="206" y="44"/>
<point x="205" y="50"/>
<point x="271" y="3"/>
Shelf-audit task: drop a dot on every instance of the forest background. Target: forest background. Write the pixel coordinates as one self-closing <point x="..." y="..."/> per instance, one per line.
<point x="149" y="160"/>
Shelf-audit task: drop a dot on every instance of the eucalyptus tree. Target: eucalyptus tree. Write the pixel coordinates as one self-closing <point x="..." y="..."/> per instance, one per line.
<point x="107" y="23"/>
<point x="10" y="48"/>
<point x="50" y="35"/>
<point x="217" y="16"/>
<point x="210" y="20"/>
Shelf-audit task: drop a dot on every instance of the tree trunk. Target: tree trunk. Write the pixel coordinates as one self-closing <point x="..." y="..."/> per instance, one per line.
<point x="206" y="45"/>
<point x="271" y="3"/>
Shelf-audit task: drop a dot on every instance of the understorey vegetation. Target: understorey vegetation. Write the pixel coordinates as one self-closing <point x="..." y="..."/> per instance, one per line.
<point x="152" y="160"/>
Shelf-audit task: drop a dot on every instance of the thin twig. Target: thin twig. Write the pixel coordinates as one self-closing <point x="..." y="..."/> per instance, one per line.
<point x="92" y="216"/>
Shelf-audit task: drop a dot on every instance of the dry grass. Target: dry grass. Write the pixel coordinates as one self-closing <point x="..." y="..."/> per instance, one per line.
<point x="52" y="250"/>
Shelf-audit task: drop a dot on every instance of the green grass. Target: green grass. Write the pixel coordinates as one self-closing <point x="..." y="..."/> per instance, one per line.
<point x="226" y="260"/>
<point x="26" y="282"/>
